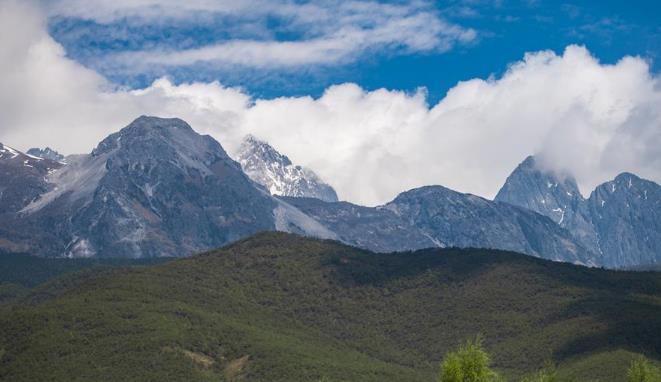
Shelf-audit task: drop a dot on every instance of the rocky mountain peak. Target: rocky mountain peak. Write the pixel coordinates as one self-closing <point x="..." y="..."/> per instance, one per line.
<point x="23" y="178"/>
<point x="14" y="158"/>
<point x="253" y="146"/>
<point x="556" y="196"/>
<point x="46" y="153"/>
<point x="154" y="188"/>
<point x="7" y="152"/>
<point x="626" y="188"/>
<point x="627" y="180"/>
<point x="620" y="221"/>
<point x="626" y="213"/>
<point x="542" y="191"/>
<point x="151" y="142"/>
<point x="151" y="134"/>
<point x="275" y="171"/>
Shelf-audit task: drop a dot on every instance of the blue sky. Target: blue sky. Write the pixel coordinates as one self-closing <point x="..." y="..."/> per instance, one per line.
<point x="495" y="33"/>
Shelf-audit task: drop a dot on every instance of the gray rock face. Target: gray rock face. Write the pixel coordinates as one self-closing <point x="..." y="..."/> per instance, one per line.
<point x="619" y="222"/>
<point x="22" y="178"/>
<point x="465" y="220"/>
<point x="155" y="188"/>
<point x="377" y="229"/>
<point x="626" y="213"/>
<point x="266" y="166"/>
<point x="435" y="216"/>
<point x="46" y="153"/>
<point x="557" y="197"/>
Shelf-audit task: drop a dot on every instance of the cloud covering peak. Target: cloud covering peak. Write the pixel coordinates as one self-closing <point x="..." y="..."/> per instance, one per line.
<point x="577" y="114"/>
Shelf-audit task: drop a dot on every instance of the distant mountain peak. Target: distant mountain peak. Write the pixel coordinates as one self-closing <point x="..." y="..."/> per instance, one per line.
<point x="542" y="191"/>
<point x="531" y="166"/>
<point x="153" y="122"/>
<point x="46" y="153"/>
<point x="145" y="131"/>
<point x="7" y="152"/>
<point x="558" y="197"/>
<point x="628" y="179"/>
<point x="256" y="147"/>
<point x="23" y="178"/>
<point x="620" y="221"/>
<point x="155" y="126"/>
<point x="275" y="171"/>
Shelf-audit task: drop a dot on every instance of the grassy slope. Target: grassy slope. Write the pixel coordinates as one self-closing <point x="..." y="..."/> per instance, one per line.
<point x="278" y="307"/>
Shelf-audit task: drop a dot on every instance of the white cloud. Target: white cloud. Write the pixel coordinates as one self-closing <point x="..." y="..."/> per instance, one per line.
<point x="415" y="33"/>
<point x="109" y="11"/>
<point x="580" y="115"/>
<point x="327" y="32"/>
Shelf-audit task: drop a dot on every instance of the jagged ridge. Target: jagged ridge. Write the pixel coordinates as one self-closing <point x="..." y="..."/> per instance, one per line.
<point x="266" y="166"/>
<point x="620" y="222"/>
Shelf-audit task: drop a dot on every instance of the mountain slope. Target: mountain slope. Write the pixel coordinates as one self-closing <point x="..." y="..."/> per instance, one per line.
<point x="279" y="307"/>
<point x="626" y="213"/>
<point x="464" y="220"/>
<point x="435" y="216"/>
<point x="155" y="188"/>
<point x="23" y="178"/>
<point x="620" y="221"/>
<point x="541" y="191"/>
<point x="377" y="229"/>
<point x="552" y="195"/>
<point x="266" y="166"/>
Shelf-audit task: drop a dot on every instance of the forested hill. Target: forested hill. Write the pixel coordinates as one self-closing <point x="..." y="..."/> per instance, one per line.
<point x="20" y="272"/>
<point x="279" y="307"/>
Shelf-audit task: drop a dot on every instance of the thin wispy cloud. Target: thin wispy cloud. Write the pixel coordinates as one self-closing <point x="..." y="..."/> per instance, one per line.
<point x="257" y="34"/>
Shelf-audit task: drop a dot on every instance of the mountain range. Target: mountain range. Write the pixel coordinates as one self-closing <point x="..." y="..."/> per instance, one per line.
<point x="155" y="188"/>
<point x="620" y="222"/>
<point x="158" y="188"/>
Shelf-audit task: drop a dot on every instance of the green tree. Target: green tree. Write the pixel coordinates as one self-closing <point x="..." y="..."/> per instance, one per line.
<point x="469" y="363"/>
<point x="642" y="370"/>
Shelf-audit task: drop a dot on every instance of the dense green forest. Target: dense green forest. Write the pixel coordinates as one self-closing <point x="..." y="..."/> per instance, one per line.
<point x="20" y="272"/>
<point x="279" y="307"/>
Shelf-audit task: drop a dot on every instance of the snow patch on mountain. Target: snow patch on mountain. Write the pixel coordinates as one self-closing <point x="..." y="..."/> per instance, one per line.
<point x="291" y="219"/>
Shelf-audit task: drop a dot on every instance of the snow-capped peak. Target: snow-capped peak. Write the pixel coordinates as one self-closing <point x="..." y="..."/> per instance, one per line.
<point x="273" y="170"/>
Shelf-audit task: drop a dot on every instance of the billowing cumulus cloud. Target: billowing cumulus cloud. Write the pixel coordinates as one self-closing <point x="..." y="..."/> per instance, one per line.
<point x="578" y="115"/>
